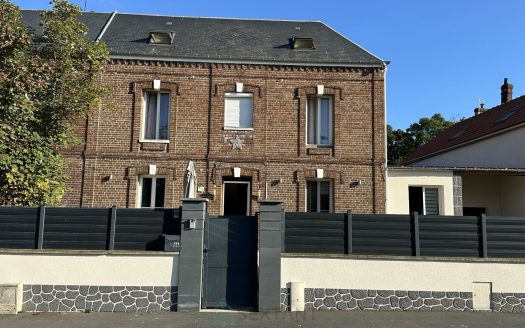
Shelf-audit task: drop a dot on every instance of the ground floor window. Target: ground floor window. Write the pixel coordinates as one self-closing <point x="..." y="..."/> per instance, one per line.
<point x="152" y="191"/>
<point x="318" y="196"/>
<point x="424" y="200"/>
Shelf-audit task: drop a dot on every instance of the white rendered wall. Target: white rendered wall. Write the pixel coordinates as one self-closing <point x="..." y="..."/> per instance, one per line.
<point x="411" y="275"/>
<point x="95" y="270"/>
<point x="501" y="151"/>
<point x="398" y="181"/>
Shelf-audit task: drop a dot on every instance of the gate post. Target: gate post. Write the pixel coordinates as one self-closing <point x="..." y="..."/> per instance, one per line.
<point x="270" y="255"/>
<point x="191" y="254"/>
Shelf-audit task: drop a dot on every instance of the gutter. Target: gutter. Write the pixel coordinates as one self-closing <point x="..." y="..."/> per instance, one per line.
<point x="241" y="61"/>
<point x="456" y="169"/>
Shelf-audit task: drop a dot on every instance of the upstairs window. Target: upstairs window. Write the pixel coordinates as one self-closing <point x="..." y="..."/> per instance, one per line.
<point x="319" y="121"/>
<point x="318" y="196"/>
<point x="238" y="111"/>
<point x="424" y="200"/>
<point x="156" y="115"/>
<point x="152" y="191"/>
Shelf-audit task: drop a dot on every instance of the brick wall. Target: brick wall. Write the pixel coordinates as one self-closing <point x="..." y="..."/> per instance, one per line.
<point x="274" y="150"/>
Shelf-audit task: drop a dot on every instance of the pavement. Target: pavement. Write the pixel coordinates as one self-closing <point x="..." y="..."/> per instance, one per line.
<point x="347" y="319"/>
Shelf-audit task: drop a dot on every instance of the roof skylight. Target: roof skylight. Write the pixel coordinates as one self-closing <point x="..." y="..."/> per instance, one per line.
<point x="302" y="43"/>
<point x="506" y="117"/>
<point x="161" y="37"/>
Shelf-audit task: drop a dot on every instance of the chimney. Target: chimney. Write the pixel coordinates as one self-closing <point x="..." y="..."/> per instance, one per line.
<point x="480" y="109"/>
<point x="506" y="92"/>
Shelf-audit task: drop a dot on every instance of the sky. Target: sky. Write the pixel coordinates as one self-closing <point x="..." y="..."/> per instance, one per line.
<point x="445" y="55"/>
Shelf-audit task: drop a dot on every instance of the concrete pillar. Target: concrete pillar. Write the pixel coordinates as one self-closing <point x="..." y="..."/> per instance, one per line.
<point x="270" y="255"/>
<point x="191" y="254"/>
<point x="457" y="193"/>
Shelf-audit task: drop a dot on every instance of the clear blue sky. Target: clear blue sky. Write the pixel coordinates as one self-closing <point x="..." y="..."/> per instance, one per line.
<point x="445" y="54"/>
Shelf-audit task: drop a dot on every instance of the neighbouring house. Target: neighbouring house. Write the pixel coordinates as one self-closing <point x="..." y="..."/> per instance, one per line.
<point x="288" y="110"/>
<point x="475" y="166"/>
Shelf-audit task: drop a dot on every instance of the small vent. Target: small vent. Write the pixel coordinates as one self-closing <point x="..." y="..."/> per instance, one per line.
<point x="302" y="43"/>
<point x="161" y="37"/>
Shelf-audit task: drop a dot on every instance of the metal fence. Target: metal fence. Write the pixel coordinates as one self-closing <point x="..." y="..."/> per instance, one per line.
<point x="404" y="235"/>
<point x="87" y="228"/>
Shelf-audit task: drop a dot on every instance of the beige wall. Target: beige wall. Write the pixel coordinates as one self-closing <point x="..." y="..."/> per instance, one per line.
<point x="499" y="194"/>
<point x="416" y="275"/>
<point x="398" y="181"/>
<point x="97" y="270"/>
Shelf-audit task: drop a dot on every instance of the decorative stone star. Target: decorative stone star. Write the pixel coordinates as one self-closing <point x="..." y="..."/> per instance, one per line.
<point x="237" y="143"/>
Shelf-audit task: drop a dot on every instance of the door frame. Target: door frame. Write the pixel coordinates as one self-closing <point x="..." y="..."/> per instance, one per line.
<point x="248" y="195"/>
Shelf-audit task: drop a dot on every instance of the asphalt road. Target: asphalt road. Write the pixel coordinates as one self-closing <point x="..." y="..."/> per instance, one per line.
<point x="360" y="319"/>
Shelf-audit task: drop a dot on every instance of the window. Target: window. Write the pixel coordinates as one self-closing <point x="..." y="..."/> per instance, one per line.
<point x="302" y="43"/>
<point x="156" y="115"/>
<point x="152" y="191"/>
<point x="161" y="37"/>
<point x="319" y="196"/>
<point x="319" y="121"/>
<point x="238" y="111"/>
<point x="424" y="200"/>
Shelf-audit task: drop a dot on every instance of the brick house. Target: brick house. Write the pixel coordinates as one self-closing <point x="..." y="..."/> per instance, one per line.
<point x="288" y="110"/>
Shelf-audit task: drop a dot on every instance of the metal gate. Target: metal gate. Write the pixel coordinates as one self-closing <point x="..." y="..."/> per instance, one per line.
<point x="230" y="263"/>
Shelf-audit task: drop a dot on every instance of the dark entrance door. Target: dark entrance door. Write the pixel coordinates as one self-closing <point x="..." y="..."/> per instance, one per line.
<point x="236" y="198"/>
<point x="230" y="263"/>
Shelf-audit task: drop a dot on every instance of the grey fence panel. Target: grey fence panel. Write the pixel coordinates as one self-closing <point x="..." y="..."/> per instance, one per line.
<point x="74" y="228"/>
<point x="506" y="236"/>
<point x="315" y="232"/>
<point x="18" y="227"/>
<point x="382" y="234"/>
<point x="142" y="229"/>
<point x="450" y="236"/>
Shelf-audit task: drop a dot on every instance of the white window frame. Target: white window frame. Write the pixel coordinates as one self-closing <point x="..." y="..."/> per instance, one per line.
<point x="248" y="194"/>
<point x="153" y="190"/>
<point x="144" y="112"/>
<point x="440" y="197"/>
<point x="230" y="95"/>
<point x="330" y="121"/>
<point x="318" y="186"/>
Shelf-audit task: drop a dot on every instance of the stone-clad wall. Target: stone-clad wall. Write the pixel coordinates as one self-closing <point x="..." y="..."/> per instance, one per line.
<point x="386" y="300"/>
<point x="508" y="302"/>
<point x="61" y="298"/>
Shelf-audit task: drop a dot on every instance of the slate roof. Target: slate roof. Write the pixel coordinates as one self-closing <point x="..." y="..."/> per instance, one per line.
<point x="94" y="21"/>
<point x="492" y="121"/>
<point x="221" y="39"/>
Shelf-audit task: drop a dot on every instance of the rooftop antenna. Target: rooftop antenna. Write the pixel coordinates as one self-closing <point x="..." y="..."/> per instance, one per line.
<point x="481" y="102"/>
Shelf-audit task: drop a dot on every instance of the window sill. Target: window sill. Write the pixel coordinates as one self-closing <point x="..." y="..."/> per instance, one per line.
<point x="154" y="141"/>
<point x="237" y="129"/>
<point x="319" y="151"/>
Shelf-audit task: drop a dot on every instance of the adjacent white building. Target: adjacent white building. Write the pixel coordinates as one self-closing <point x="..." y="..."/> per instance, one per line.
<point x="476" y="166"/>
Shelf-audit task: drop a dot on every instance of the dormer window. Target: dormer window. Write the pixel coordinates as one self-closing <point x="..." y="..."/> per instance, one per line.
<point x="161" y="37"/>
<point x="302" y="43"/>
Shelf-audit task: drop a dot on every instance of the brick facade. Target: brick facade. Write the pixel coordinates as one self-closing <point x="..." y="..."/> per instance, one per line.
<point x="106" y="171"/>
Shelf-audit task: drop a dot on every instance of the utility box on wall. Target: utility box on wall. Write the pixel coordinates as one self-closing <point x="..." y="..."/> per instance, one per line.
<point x="10" y="298"/>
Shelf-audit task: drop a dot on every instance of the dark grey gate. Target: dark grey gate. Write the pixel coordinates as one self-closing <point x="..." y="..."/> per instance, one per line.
<point x="230" y="263"/>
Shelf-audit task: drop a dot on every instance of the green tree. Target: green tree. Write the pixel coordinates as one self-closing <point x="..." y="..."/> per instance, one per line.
<point x="401" y="143"/>
<point x="47" y="82"/>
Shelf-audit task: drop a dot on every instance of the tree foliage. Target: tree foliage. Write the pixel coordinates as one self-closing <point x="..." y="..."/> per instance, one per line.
<point x="47" y="82"/>
<point x="401" y="143"/>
